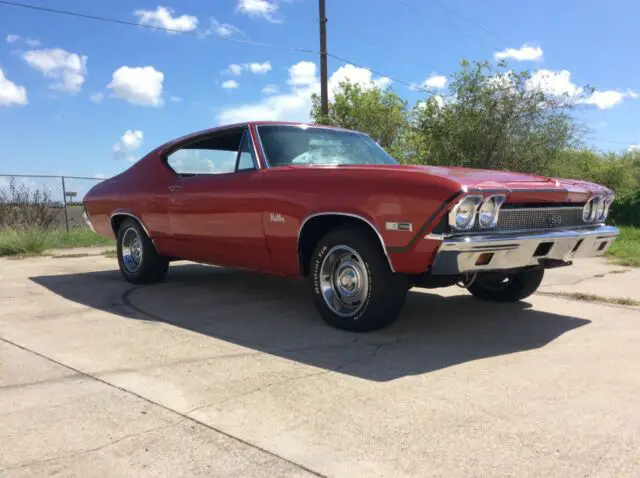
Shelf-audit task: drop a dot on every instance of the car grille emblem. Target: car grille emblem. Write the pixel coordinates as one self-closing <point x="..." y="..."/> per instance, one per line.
<point x="555" y="220"/>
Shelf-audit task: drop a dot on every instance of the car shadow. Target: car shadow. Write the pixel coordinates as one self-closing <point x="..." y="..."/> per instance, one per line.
<point x="276" y="316"/>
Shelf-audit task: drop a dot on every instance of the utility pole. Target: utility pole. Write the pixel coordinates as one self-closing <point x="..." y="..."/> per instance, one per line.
<point x="324" y="94"/>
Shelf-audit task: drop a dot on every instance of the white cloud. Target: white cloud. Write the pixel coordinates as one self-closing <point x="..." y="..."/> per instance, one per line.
<point x="230" y="84"/>
<point x="266" y="9"/>
<point x="608" y="99"/>
<point x="224" y="29"/>
<point x="270" y="89"/>
<point x="357" y="75"/>
<point x="67" y="69"/>
<point x="295" y="105"/>
<point x="175" y="99"/>
<point x="255" y="67"/>
<point x="100" y="176"/>
<point x="259" y="68"/>
<point x="12" y="38"/>
<point x="128" y="143"/>
<point x="302" y="73"/>
<point x="32" y="42"/>
<point x="97" y="97"/>
<point x="10" y="93"/>
<point x="633" y="148"/>
<point x="435" y="81"/>
<point x="555" y="83"/>
<point x="163" y="17"/>
<point x="524" y="53"/>
<point x="235" y="69"/>
<point x="138" y="85"/>
<point x="559" y="83"/>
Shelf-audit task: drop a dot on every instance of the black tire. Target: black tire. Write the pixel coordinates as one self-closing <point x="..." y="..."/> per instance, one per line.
<point x="507" y="287"/>
<point x="152" y="266"/>
<point x="385" y="293"/>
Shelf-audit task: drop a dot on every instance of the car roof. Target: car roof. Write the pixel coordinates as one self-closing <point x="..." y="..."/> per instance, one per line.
<point x="245" y="124"/>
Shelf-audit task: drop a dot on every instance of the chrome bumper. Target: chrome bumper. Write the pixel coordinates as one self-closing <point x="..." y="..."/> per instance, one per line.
<point x="460" y="254"/>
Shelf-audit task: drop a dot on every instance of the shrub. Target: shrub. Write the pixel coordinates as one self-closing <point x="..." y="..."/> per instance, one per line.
<point x="625" y="210"/>
<point x="26" y="209"/>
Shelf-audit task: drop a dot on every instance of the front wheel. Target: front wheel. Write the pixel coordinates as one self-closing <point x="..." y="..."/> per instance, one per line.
<point x="507" y="287"/>
<point x="353" y="287"/>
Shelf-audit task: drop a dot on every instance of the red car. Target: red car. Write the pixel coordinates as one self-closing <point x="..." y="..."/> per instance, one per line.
<point x="332" y="206"/>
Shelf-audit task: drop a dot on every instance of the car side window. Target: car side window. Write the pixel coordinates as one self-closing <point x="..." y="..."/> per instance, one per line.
<point x="245" y="159"/>
<point x="213" y="155"/>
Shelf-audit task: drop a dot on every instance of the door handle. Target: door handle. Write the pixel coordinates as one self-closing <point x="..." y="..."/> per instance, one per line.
<point x="174" y="188"/>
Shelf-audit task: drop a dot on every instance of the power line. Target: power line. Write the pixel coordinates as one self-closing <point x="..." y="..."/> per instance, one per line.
<point x="248" y="42"/>
<point x="419" y="10"/>
<point x="463" y="18"/>
<point x="402" y="82"/>
<point x="151" y="27"/>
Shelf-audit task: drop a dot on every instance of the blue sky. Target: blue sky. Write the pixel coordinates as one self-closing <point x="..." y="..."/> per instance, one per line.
<point x="82" y="97"/>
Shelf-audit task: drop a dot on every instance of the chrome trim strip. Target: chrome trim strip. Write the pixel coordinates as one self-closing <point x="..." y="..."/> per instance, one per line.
<point x="87" y="220"/>
<point x="259" y="154"/>
<point x="550" y="208"/>
<point x="123" y="213"/>
<point x="459" y="255"/>
<point x="516" y="231"/>
<point x="347" y="214"/>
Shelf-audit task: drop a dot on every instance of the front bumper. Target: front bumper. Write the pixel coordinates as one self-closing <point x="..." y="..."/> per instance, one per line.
<point x="462" y="254"/>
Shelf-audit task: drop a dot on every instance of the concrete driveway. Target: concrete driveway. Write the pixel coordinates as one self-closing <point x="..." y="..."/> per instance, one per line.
<point x="223" y="373"/>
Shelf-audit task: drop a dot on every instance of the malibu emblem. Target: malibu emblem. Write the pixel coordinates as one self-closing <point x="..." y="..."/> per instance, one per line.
<point x="275" y="217"/>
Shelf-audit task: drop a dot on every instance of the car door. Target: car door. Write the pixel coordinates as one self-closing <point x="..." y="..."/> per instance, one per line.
<point x="215" y="205"/>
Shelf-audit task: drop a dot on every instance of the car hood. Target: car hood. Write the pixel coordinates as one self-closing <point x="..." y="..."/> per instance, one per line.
<point x="481" y="178"/>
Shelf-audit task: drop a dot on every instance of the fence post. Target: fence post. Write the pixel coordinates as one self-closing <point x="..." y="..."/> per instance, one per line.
<point x="64" y="201"/>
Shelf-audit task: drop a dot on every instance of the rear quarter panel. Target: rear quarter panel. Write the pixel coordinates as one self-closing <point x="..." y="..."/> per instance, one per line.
<point x="140" y="190"/>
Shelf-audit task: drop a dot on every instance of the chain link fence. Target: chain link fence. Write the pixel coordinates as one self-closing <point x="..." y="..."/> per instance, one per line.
<point x="63" y="194"/>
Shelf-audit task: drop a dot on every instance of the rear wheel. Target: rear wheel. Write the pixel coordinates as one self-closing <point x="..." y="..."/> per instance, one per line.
<point x="138" y="259"/>
<point x="507" y="287"/>
<point x="353" y="286"/>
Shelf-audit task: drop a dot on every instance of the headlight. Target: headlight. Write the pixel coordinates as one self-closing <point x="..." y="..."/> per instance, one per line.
<point x="599" y="209"/>
<point x="596" y="209"/>
<point x="489" y="211"/>
<point x="607" y="205"/>
<point x="463" y="214"/>
<point x="586" y="211"/>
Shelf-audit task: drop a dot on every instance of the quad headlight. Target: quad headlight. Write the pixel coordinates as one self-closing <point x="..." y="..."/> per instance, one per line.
<point x="463" y="215"/>
<point x="596" y="208"/>
<point x="489" y="211"/>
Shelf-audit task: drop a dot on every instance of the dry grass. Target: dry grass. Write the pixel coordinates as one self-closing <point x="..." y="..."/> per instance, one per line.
<point x="597" y="298"/>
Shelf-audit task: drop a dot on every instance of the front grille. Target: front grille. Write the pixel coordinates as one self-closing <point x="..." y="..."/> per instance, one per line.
<point x="538" y="218"/>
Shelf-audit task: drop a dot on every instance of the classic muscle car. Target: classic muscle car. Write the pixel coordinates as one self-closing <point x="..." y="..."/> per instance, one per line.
<point x="332" y="206"/>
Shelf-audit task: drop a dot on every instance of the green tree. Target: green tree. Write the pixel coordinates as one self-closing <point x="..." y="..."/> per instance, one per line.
<point x="380" y="113"/>
<point x="495" y="118"/>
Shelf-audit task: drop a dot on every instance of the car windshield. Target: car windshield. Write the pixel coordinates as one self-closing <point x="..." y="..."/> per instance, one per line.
<point x="286" y="145"/>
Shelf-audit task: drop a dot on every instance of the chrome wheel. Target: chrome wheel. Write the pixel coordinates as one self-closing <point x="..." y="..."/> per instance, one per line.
<point x="344" y="281"/>
<point x="131" y="250"/>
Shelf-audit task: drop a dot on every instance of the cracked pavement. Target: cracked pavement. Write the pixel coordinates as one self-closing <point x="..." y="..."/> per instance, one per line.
<point x="223" y="373"/>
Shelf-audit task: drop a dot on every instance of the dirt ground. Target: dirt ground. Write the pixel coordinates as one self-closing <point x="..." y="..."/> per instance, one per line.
<point x="225" y="373"/>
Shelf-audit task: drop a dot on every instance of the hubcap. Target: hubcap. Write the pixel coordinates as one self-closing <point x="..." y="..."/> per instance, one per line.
<point x="344" y="281"/>
<point x="131" y="250"/>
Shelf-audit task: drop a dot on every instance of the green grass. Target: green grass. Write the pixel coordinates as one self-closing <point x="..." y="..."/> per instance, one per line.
<point x="625" y="251"/>
<point x="14" y="243"/>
